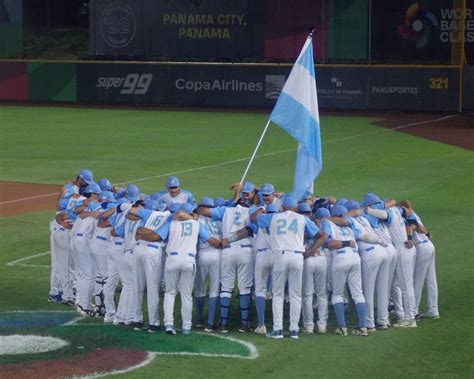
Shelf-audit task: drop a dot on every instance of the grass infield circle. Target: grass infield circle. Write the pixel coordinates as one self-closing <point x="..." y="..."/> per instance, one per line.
<point x="29" y="344"/>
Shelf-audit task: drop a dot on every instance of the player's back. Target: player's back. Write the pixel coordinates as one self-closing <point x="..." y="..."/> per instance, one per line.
<point x="215" y="227"/>
<point x="397" y="227"/>
<point x="235" y="219"/>
<point x="182" y="239"/>
<point x="287" y="231"/>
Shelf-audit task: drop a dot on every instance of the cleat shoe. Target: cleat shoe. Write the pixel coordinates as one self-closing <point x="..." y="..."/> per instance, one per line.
<point x="55" y="298"/>
<point x="209" y="329"/>
<point x="261" y="330"/>
<point x="309" y="331"/>
<point x="276" y="334"/>
<point x="110" y="319"/>
<point x="429" y="316"/>
<point x="410" y="324"/>
<point x="223" y="329"/>
<point x="294" y="334"/>
<point x="69" y="303"/>
<point x="322" y="330"/>
<point x="170" y="330"/>
<point x="360" y="332"/>
<point x="243" y="328"/>
<point x="399" y="324"/>
<point x="199" y="324"/>
<point x="153" y="328"/>
<point x="372" y="330"/>
<point x="381" y="327"/>
<point x="137" y="326"/>
<point x="341" y="331"/>
<point x="186" y="332"/>
<point x="417" y="317"/>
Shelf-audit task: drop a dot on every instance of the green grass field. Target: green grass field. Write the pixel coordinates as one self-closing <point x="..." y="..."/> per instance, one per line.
<point x="208" y="151"/>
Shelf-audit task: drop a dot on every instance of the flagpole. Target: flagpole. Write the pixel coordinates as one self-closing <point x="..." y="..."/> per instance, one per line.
<point x="255" y="152"/>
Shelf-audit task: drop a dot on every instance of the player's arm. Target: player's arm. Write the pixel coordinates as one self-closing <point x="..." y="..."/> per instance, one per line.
<point x="161" y="234"/>
<point x="409" y="242"/>
<point x="336" y="244"/>
<point x="381" y="214"/>
<point x="236" y="187"/>
<point x="390" y="203"/>
<point x="63" y="220"/>
<point x="59" y="197"/>
<point x="314" y="249"/>
<point x="104" y="223"/>
<point x="215" y="242"/>
<point x="206" y="236"/>
<point x="107" y="214"/>
<point x="246" y="232"/>
<point x="141" y="232"/>
<point x="183" y="216"/>
<point x="341" y="221"/>
<point x="203" y="211"/>
<point x="259" y="211"/>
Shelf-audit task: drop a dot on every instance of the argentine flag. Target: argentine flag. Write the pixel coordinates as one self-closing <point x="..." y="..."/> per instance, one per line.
<point x="296" y="112"/>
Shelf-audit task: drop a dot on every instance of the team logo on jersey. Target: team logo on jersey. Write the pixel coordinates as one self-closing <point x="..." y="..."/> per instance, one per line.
<point x="273" y="86"/>
<point x="118" y="25"/>
<point x="418" y="25"/>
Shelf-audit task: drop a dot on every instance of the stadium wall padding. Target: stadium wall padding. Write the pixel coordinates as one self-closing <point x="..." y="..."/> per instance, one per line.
<point x="413" y="88"/>
<point x="468" y="88"/>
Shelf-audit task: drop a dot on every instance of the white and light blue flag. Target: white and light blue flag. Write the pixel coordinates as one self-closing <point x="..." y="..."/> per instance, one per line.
<point x="296" y="112"/>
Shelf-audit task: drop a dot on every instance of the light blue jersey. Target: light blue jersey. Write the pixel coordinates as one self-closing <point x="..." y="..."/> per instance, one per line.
<point x="71" y="189"/>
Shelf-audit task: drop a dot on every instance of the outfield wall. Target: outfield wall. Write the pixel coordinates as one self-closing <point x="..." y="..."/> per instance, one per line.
<point x="409" y="88"/>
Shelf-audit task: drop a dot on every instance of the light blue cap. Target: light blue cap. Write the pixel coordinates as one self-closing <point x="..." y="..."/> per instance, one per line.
<point x="267" y="189"/>
<point x="92" y="188"/>
<point x="86" y="175"/>
<point x="271" y="208"/>
<point x="154" y="205"/>
<point x="107" y="196"/>
<point x="172" y="181"/>
<point x="105" y="184"/>
<point x="338" y="210"/>
<point x="187" y="207"/>
<point x="248" y="187"/>
<point x="229" y="203"/>
<point x="369" y="199"/>
<point x="175" y="207"/>
<point x="219" y="202"/>
<point x="289" y="202"/>
<point x="123" y="200"/>
<point x="155" y="196"/>
<point x="304" y="207"/>
<point x="352" y="204"/>
<point x="133" y="193"/>
<point x="342" y="201"/>
<point x="207" y="202"/>
<point x="322" y="213"/>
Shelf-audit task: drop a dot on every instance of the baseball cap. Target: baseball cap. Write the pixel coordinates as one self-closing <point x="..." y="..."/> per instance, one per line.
<point x="187" y="207"/>
<point x="152" y="204"/>
<point x="133" y="193"/>
<point x="92" y="188"/>
<point x="271" y="208"/>
<point x="352" y="204"/>
<point x="322" y="213"/>
<point x="267" y="189"/>
<point x="207" y="202"/>
<point x="107" y="196"/>
<point x="86" y="175"/>
<point x="219" y="202"/>
<point x="342" y="201"/>
<point x="172" y="181"/>
<point x="104" y="184"/>
<point x="304" y="207"/>
<point x="338" y="210"/>
<point x="248" y="187"/>
<point x="175" y="207"/>
<point x="369" y="199"/>
<point x="155" y="196"/>
<point x="289" y="202"/>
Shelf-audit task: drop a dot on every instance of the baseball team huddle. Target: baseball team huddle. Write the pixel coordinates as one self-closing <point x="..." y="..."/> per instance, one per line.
<point x="376" y="255"/>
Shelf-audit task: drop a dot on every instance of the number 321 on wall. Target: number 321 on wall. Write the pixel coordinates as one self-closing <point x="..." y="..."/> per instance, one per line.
<point x="439" y="83"/>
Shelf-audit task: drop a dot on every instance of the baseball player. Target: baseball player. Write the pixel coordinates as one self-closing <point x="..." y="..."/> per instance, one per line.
<point x="148" y="259"/>
<point x="99" y="246"/>
<point x="208" y="266"/>
<point x="315" y="269"/>
<point x="245" y="192"/>
<point x="263" y="270"/>
<point x="268" y="196"/>
<point x="425" y="270"/>
<point x="114" y="253"/>
<point x="236" y="260"/>
<point x="345" y="269"/>
<point x="181" y="265"/>
<point x="60" y="282"/>
<point x="405" y="307"/>
<point x="287" y="231"/>
<point x="81" y="233"/>
<point x="174" y="193"/>
<point x="374" y="266"/>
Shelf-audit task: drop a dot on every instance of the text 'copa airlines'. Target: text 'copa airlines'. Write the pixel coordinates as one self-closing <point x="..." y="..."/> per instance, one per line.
<point x="218" y="85"/>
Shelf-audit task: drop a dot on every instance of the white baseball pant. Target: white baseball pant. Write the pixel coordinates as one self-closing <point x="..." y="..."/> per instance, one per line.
<point x="263" y="270"/>
<point x="425" y="272"/>
<point x="84" y="273"/>
<point x="114" y="251"/>
<point x="237" y="261"/>
<point x="315" y="271"/>
<point x="179" y="276"/>
<point x="346" y="269"/>
<point x="98" y="245"/>
<point x="287" y="266"/>
<point x="208" y="265"/>
<point x="60" y="280"/>
<point x="403" y="293"/>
